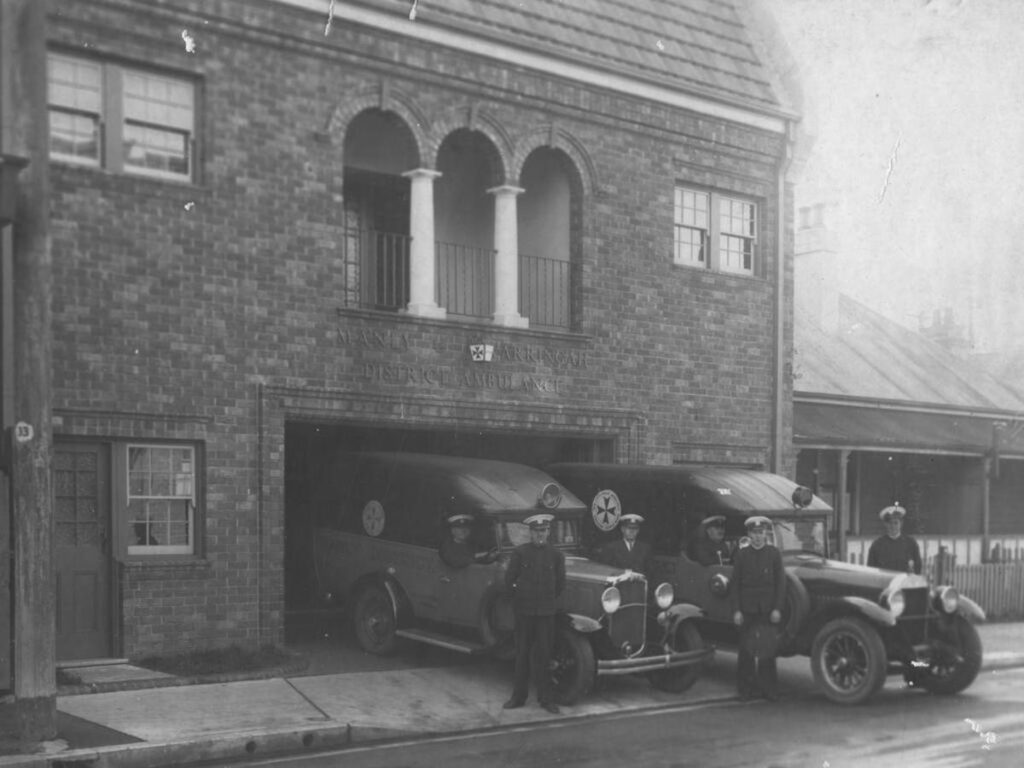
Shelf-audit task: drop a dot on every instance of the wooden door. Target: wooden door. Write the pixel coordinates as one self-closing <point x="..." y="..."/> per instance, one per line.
<point x="82" y="550"/>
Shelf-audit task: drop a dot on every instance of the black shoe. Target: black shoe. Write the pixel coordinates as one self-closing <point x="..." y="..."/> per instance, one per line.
<point x="513" y="703"/>
<point x="551" y="707"/>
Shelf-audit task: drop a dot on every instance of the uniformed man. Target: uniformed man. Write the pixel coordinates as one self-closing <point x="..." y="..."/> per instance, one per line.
<point x="759" y="593"/>
<point x="895" y="551"/>
<point x="536" y="578"/>
<point x="709" y="548"/>
<point x="628" y="553"/>
<point x="456" y="550"/>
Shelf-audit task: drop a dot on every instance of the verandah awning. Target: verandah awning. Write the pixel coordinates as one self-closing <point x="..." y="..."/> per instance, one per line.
<point x="830" y="425"/>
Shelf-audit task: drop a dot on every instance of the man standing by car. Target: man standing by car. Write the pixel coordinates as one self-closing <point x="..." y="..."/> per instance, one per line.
<point x="759" y="594"/>
<point x="536" y="578"/>
<point x="894" y="551"/>
<point x="628" y="553"/>
<point x="709" y="548"/>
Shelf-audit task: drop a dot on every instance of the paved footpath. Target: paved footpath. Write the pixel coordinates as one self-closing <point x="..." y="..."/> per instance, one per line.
<point x="177" y="724"/>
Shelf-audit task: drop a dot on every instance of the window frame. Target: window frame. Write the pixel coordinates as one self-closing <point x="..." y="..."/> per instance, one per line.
<point x="113" y="120"/>
<point x="713" y="250"/>
<point x="125" y="497"/>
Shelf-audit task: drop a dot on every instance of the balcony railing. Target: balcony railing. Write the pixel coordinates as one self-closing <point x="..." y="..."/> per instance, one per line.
<point x="376" y="269"/>
<point x="544" y="291"/>
<point x="465" y="280"/>
<point x="377" y="277"/>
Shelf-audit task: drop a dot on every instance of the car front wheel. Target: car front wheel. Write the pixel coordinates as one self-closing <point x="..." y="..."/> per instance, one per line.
<point x="572" y="666"/>
<point x="958" y="661"/>
<point x="685" y="637"/>
<point x="374" y="619"/>
<point x="848" y="660"/>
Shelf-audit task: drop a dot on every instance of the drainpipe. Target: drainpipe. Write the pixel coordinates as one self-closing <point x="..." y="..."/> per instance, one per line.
<point x="780" y="302"/>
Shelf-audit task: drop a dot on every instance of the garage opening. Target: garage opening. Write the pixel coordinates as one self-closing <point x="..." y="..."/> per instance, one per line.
<point x="308" y="445"/>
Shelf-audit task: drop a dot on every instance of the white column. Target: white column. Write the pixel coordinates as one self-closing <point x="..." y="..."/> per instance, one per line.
<point x="422" y="259"/>
<point x="506" y="260"/>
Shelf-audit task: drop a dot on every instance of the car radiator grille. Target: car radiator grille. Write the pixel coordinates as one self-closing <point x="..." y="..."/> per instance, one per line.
<point x="916" y="603"/>
<point x="626" y="625"/>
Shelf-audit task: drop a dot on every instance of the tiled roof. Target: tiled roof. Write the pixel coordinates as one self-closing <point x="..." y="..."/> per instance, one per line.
<point x="699" y="46"/>
<point x="870" y="357"/>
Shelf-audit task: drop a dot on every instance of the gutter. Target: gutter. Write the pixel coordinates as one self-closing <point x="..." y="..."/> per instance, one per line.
<point x="780" y="301"/>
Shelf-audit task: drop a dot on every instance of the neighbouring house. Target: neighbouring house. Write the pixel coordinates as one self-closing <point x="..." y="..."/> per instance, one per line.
<point x="884" y="414"/>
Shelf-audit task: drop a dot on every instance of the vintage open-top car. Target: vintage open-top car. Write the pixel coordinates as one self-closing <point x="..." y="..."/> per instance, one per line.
<point x="377" y="548"/>
<point x="856" y="623"/>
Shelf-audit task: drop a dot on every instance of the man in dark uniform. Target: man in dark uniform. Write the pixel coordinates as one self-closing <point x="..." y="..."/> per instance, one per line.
<point x="895" y="551"/>
<point x="709" y="548"/>
<point x="628" y="553"/>
<point x="759" y="593"/>
<point x="536" y="578"/>
<point x="456" y="550"/>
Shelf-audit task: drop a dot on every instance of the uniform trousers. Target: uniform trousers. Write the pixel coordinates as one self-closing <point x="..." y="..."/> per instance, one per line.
<point x="535" y="637"/>
<point x="756" y="670"/>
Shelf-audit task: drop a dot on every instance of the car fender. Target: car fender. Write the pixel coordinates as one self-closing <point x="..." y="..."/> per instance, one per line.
<point x="969" y="609"/>
<point x="871" y="611"/>
<point x="679" y="612"/>
<point x="399" y="602"/>
<point x="583" y="624"/>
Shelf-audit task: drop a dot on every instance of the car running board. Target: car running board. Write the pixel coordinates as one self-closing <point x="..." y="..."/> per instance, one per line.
<point x="442" y="641"/>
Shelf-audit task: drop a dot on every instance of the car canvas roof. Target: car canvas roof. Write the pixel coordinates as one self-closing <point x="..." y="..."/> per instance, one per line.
<point x="723" y="490"/>
<point x="478" y="485"/>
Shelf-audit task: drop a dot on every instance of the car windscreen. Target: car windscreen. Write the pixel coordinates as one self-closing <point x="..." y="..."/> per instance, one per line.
<point x="565" y="532"/>
<point x="803" y="534"/>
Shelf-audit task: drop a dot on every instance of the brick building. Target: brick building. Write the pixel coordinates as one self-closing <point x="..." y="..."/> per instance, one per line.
<point x="560" y="232"/>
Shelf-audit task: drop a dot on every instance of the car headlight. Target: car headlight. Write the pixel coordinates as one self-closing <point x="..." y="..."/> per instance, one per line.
<point x="611" y="599"/>
<point x="897" y="603"/>
<point x="664" y="595"/>
<point x="949" y="599"/>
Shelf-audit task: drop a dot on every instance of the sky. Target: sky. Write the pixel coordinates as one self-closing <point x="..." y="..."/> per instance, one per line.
<point x="916" y="108"/>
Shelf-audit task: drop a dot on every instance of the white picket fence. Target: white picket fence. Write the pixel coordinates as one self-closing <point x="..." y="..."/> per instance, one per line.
<point x="965" y="550"/>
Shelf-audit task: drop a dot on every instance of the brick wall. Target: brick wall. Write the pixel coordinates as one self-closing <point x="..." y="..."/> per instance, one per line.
<point x="218" y="302"/>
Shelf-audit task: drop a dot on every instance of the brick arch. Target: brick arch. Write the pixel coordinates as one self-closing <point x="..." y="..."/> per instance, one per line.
<point x="552" y="137"/>
<point x="386" y="99"/>
<point x="474" y="119"/>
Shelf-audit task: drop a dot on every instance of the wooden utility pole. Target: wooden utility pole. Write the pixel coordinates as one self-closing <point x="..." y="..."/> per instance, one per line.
<point x="30" y="714"/>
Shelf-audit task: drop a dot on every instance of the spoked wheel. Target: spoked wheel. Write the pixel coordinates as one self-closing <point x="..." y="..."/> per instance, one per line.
<point x="572" y="666"/>
<point x="958" y="661"/>
<point x="848" y="660"/>
<point x="374" y="619"/>
<point x="685" y="637"/>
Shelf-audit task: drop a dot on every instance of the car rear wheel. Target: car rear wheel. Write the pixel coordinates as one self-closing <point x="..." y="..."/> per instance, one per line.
<point x="848" y="660"/>
<point x="958" y="662"/>
<point x="685" y="637"/>
<point x="572" y="666"/>
<point x="374" y="619"/>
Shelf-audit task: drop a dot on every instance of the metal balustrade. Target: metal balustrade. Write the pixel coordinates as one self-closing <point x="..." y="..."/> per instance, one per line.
<point x="377" y="277"/>
<point x="544" y="291"/>
<point x="465" y="280"/>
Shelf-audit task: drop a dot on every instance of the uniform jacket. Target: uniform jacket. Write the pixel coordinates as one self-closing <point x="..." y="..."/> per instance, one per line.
<point x="536" y="577"/>
<point x="759" y="581"/>
<point x="618" y="556"/>
<point x="894" y="554"/>
<point x="706" y="552"/>
<point x="456" y="554"/>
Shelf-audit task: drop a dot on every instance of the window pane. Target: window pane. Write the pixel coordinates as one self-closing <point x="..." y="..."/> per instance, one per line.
<point x="160" y="502"/>
<point x="75" y="136"/>
<point x="158" y="100"/>
<point x="156" y="149"/>
<point x="736" y="254"/>
<point x="74" y="84"/>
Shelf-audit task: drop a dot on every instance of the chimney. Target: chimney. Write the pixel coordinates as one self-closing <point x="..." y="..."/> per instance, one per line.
<point x="816" y="286"/>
